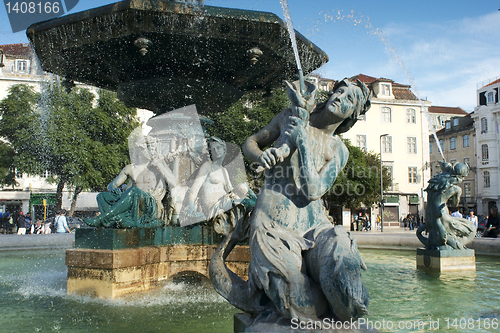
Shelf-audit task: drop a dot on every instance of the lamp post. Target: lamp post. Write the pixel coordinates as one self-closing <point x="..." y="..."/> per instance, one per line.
<point x="381" y="187"/>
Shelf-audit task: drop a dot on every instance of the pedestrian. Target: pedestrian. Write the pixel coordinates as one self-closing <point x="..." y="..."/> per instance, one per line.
<point x="61" y="223"/>
<point x="378" y="221"/>
<point x="493" y="224"/>
<point x="5" y="222"/>
<point x="29" y="223"/>
<point x="21" y="224"/>
<point x="472" y="218"/>
<point x="37" y="228"/>
<point x="456" y="213"/>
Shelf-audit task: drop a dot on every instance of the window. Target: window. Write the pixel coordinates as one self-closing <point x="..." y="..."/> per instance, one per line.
<point x="484" y="125"/>
<point x="22" y="65"/>
<point x="46" y="174"/>
<point x="441" y="144"/>
<point x="486" y="177"/>
<point x="387" y="144"/>
<point x="411" y="144"/>
<point x="466" y="141"/>
<point x="430" y="147"/>
<point x="386" y="115"/>
<point x="447" y="125"/>
<point x="411" y="116"/>
<point x="467" y="190"/>
<point x="485" y="153"/>
<point x="19" y="174"/>
<point x="453" y="143"/>
<point x="412" y="175"/>
<point x="386" y="90"/>
<point x="361" y="141"/>
<point x="455" y="122"/>
<point x="491" y="97"/>
<point x="453" y="161"/>
<point x="467" y="161"/>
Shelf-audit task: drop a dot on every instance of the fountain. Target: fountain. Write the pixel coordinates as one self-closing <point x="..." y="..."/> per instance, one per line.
<point x="163" y="56"/>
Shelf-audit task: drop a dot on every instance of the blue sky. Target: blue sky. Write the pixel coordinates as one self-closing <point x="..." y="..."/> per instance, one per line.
<point x="442" y="48"/>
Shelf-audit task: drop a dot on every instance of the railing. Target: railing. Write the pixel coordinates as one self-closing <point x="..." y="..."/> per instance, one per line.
<point x="486" y="82"/>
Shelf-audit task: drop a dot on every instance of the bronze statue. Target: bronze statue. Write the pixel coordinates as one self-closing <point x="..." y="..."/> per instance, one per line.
<point x="301" y="265"/>
<point x="445" y="231"/>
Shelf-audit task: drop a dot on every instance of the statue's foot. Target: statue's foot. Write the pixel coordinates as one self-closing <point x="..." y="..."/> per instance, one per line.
<point x="93" y="222"/>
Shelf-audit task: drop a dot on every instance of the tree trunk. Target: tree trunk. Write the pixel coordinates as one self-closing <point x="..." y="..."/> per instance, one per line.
<point x="78" y="190"/>
<point x="59" y="194"/>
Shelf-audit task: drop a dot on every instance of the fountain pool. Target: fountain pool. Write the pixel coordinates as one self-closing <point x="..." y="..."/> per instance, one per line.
<point x="33" y="298"/>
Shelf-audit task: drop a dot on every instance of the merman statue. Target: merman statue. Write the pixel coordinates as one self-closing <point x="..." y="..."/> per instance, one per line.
<point x="445" y="231"/>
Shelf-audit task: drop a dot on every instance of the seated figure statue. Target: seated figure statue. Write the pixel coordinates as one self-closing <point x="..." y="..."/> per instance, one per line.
<point x="302" y="266"/>
<point x="211" y="194"/>
<point x="445" y="231"/>
<point x="138" y="203"/>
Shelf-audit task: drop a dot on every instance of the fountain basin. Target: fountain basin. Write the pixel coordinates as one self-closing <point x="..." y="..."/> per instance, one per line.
<point x="33" y="282"/>
<point x="161" y="55"/>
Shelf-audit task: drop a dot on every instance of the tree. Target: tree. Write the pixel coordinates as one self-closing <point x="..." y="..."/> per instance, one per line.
<point x="7" y="174"/>
<point x="81" y="145"/>
<point x="359" y="181"/>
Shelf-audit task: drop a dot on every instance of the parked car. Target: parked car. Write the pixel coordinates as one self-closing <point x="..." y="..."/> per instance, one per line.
<point x="481" y="225"/>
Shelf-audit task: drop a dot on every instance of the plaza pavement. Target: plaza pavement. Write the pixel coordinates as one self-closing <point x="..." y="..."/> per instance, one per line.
<point x="391" y="238"/>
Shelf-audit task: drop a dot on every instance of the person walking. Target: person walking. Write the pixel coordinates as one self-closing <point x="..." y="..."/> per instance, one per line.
<point x="61" y="223"/>
<point x="493" y="224"/>
<point x="472" y="218"/>
<point x="21" y="224"/>
<point x="5" y="222"/>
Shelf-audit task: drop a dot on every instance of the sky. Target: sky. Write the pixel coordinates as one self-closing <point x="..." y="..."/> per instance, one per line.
<point x="442" y="48"/>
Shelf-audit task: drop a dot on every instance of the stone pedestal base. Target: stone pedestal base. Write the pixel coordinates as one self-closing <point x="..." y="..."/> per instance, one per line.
<point x="112" y="273"/>
<point x="243" y="322"/>
<point x="446" y="260"/>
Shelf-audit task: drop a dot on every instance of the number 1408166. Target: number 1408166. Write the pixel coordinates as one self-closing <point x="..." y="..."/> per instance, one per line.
<point x="33" y="7"/>
<point x="471" y="323"/>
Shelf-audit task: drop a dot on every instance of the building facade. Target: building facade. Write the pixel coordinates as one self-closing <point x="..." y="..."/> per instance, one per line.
<point x="34" y="193"/>
<point x="440" y="114"/>
<point x="397" y="128"/>
<point x="457" y="142"/>
<point x="486" y="118"/>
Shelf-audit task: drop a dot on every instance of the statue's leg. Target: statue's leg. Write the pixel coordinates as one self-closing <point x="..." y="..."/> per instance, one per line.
<point x="335" y="264"/>
<point x="122" y="210"/>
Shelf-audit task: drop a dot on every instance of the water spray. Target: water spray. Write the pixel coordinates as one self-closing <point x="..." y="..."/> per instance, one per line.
<point x="291" y="32"/>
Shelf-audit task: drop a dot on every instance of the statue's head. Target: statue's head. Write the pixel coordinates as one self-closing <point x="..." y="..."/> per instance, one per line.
<point x="217" y="148"/>
<point x="461" y="170"/>
<point x="349" y="99"/>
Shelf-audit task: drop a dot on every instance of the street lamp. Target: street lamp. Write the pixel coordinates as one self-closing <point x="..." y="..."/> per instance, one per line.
<point x="381" y="187"/>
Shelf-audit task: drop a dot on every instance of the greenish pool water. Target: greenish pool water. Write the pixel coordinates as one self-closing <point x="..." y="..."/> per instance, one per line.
<point x="33" y="299"/>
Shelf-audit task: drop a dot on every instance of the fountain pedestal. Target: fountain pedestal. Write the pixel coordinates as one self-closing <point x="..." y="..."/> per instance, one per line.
<point x="109" y="263"/>
<point x="446" y="260"/>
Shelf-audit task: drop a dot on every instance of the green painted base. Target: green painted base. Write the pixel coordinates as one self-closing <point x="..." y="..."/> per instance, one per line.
<point x="116" y="239"/>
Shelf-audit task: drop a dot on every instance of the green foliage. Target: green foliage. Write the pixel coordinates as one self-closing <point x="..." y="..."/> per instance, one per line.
<point x="248" y="116"/>
<point x="83" y="143"/>
<point x="7" y="176"/>
<point x="359" y="182"/>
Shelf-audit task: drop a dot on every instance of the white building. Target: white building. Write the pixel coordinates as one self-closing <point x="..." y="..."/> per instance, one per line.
<point x="19" y="66"/>
<point x="486" y="119"/>
<point x="396" y="127"/>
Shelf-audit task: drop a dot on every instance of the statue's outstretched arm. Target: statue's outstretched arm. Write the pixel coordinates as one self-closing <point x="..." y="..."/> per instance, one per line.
<point x="121" y="178"/>
<point x="252" y="148"/>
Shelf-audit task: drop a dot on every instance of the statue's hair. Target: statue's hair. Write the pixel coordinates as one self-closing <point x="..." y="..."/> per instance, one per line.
<point x="363" y="104"/>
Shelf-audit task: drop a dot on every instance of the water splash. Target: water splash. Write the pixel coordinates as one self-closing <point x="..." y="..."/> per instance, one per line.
<point x="359" y="19"/>
<point x="291" y="32"/>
